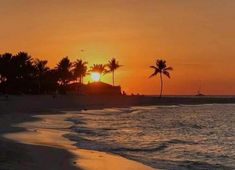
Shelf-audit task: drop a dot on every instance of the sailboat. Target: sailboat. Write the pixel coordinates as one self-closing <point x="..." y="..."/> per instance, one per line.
<point x="199" y="92"/>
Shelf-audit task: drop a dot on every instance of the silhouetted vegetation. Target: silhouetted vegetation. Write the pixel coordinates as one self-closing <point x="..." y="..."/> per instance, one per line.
<point x="17" y="73"/>
<point x="80" y="70"/>
<point x="41" y="71"/>
<point x="112" y="66"/>
<point x="161" y="68"/>
<point x="21" y="74"/>
<point x="64" y="73"/>
<point x="99" y="68"/>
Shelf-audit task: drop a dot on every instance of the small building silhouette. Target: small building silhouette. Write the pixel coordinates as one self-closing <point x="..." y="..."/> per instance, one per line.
<point x="95" y="88"/>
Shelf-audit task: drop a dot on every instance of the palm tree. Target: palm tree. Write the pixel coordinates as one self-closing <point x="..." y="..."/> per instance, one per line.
<point x="5" y="70"/>
<point x="112" y="66"/>
<point x="23" y="72"/>
<point x="63" y="69"/>
<point x="161" y="68"/>
<point x="40" y="71"/>
<point x="80" y="70"/>
<point x="99" y="68"/>
<point x="5" y="65"/>
<point x="51" y="79"/>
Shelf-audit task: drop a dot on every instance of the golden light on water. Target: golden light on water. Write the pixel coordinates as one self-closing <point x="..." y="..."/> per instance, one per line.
<point x="95" y="76"/>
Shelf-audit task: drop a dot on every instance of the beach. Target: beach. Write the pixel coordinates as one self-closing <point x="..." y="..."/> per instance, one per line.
<point x="39" y="148"/>
<point x="37" y="132"/>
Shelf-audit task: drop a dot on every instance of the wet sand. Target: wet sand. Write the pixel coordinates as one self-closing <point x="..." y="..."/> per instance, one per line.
<point x="49" y="131"/>
<point x="35" y="146"/>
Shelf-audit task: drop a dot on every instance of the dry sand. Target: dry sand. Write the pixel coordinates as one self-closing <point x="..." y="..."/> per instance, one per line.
<point x="49" y="131"/>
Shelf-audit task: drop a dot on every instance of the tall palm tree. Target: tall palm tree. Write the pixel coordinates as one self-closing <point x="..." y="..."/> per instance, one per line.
<point x="23" y="72"/>
<point x="112" y="66"/>
<point x="40" y="71"/>
<point x="80" y="70"/>
<point x="5" y="66"/>
<point x="162" y="69"/>
<point x="64" y="71"/>
<point x="99" y="68"/>
<point x="5" y="70"/>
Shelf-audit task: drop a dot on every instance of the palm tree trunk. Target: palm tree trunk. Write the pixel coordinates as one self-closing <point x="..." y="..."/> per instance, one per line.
<point x="113" y="78"/>
<point x="39" y="87"/>
<point x="161" y="85"/>
<point x="78" y="86"/>
<point x="80" y="79"/>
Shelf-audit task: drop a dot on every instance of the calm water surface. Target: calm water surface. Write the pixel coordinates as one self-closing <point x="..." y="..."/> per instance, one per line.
<point x="164" y="137"/>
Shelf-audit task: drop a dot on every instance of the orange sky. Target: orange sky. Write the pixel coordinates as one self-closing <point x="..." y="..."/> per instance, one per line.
<point x="196" y="37"/>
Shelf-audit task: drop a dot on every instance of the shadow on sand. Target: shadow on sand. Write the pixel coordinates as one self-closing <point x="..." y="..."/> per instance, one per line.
<point x="18" y="156"/>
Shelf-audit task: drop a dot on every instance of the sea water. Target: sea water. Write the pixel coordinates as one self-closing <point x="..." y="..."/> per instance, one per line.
<point x="163" y="137"/>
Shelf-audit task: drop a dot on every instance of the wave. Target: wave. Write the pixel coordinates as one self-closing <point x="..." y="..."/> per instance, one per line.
<point x="171" y="137"/>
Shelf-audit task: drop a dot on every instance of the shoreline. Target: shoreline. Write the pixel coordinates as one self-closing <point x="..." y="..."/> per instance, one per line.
<point x="33" y="104"/>
<point x="42" y="133"/>
<point x="18" y="109"/>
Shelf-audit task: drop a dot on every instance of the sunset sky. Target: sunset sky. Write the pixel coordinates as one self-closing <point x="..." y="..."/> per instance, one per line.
<point x="196" y="37"/>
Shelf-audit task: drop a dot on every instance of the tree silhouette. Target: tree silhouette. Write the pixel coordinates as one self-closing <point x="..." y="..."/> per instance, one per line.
<point x="22" y="72"/>
<point x="63" y="69"/>
<point x="99" y="68"/>
<point x="40" y="72"/>
<point x="51" y="79"/>
<point x="112" y="66"/>
<point x="79" y="70"/>
<point x="5" y="70"/>
<point x="5" y="64"/>
<point x="161" y="68"/>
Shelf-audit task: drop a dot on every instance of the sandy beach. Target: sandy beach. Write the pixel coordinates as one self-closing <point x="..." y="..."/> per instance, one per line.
<point x="32" y="132"/>
<point x="38" y="143"/>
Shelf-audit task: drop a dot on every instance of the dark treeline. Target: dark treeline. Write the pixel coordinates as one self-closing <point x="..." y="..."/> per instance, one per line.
<point x="22" y="74"/>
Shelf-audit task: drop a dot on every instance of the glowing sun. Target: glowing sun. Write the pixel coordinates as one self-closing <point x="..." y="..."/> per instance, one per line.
<point x="95" y="76"/>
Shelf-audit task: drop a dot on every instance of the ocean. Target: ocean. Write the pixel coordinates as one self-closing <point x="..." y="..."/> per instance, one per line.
<point x="163" y="137"/>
